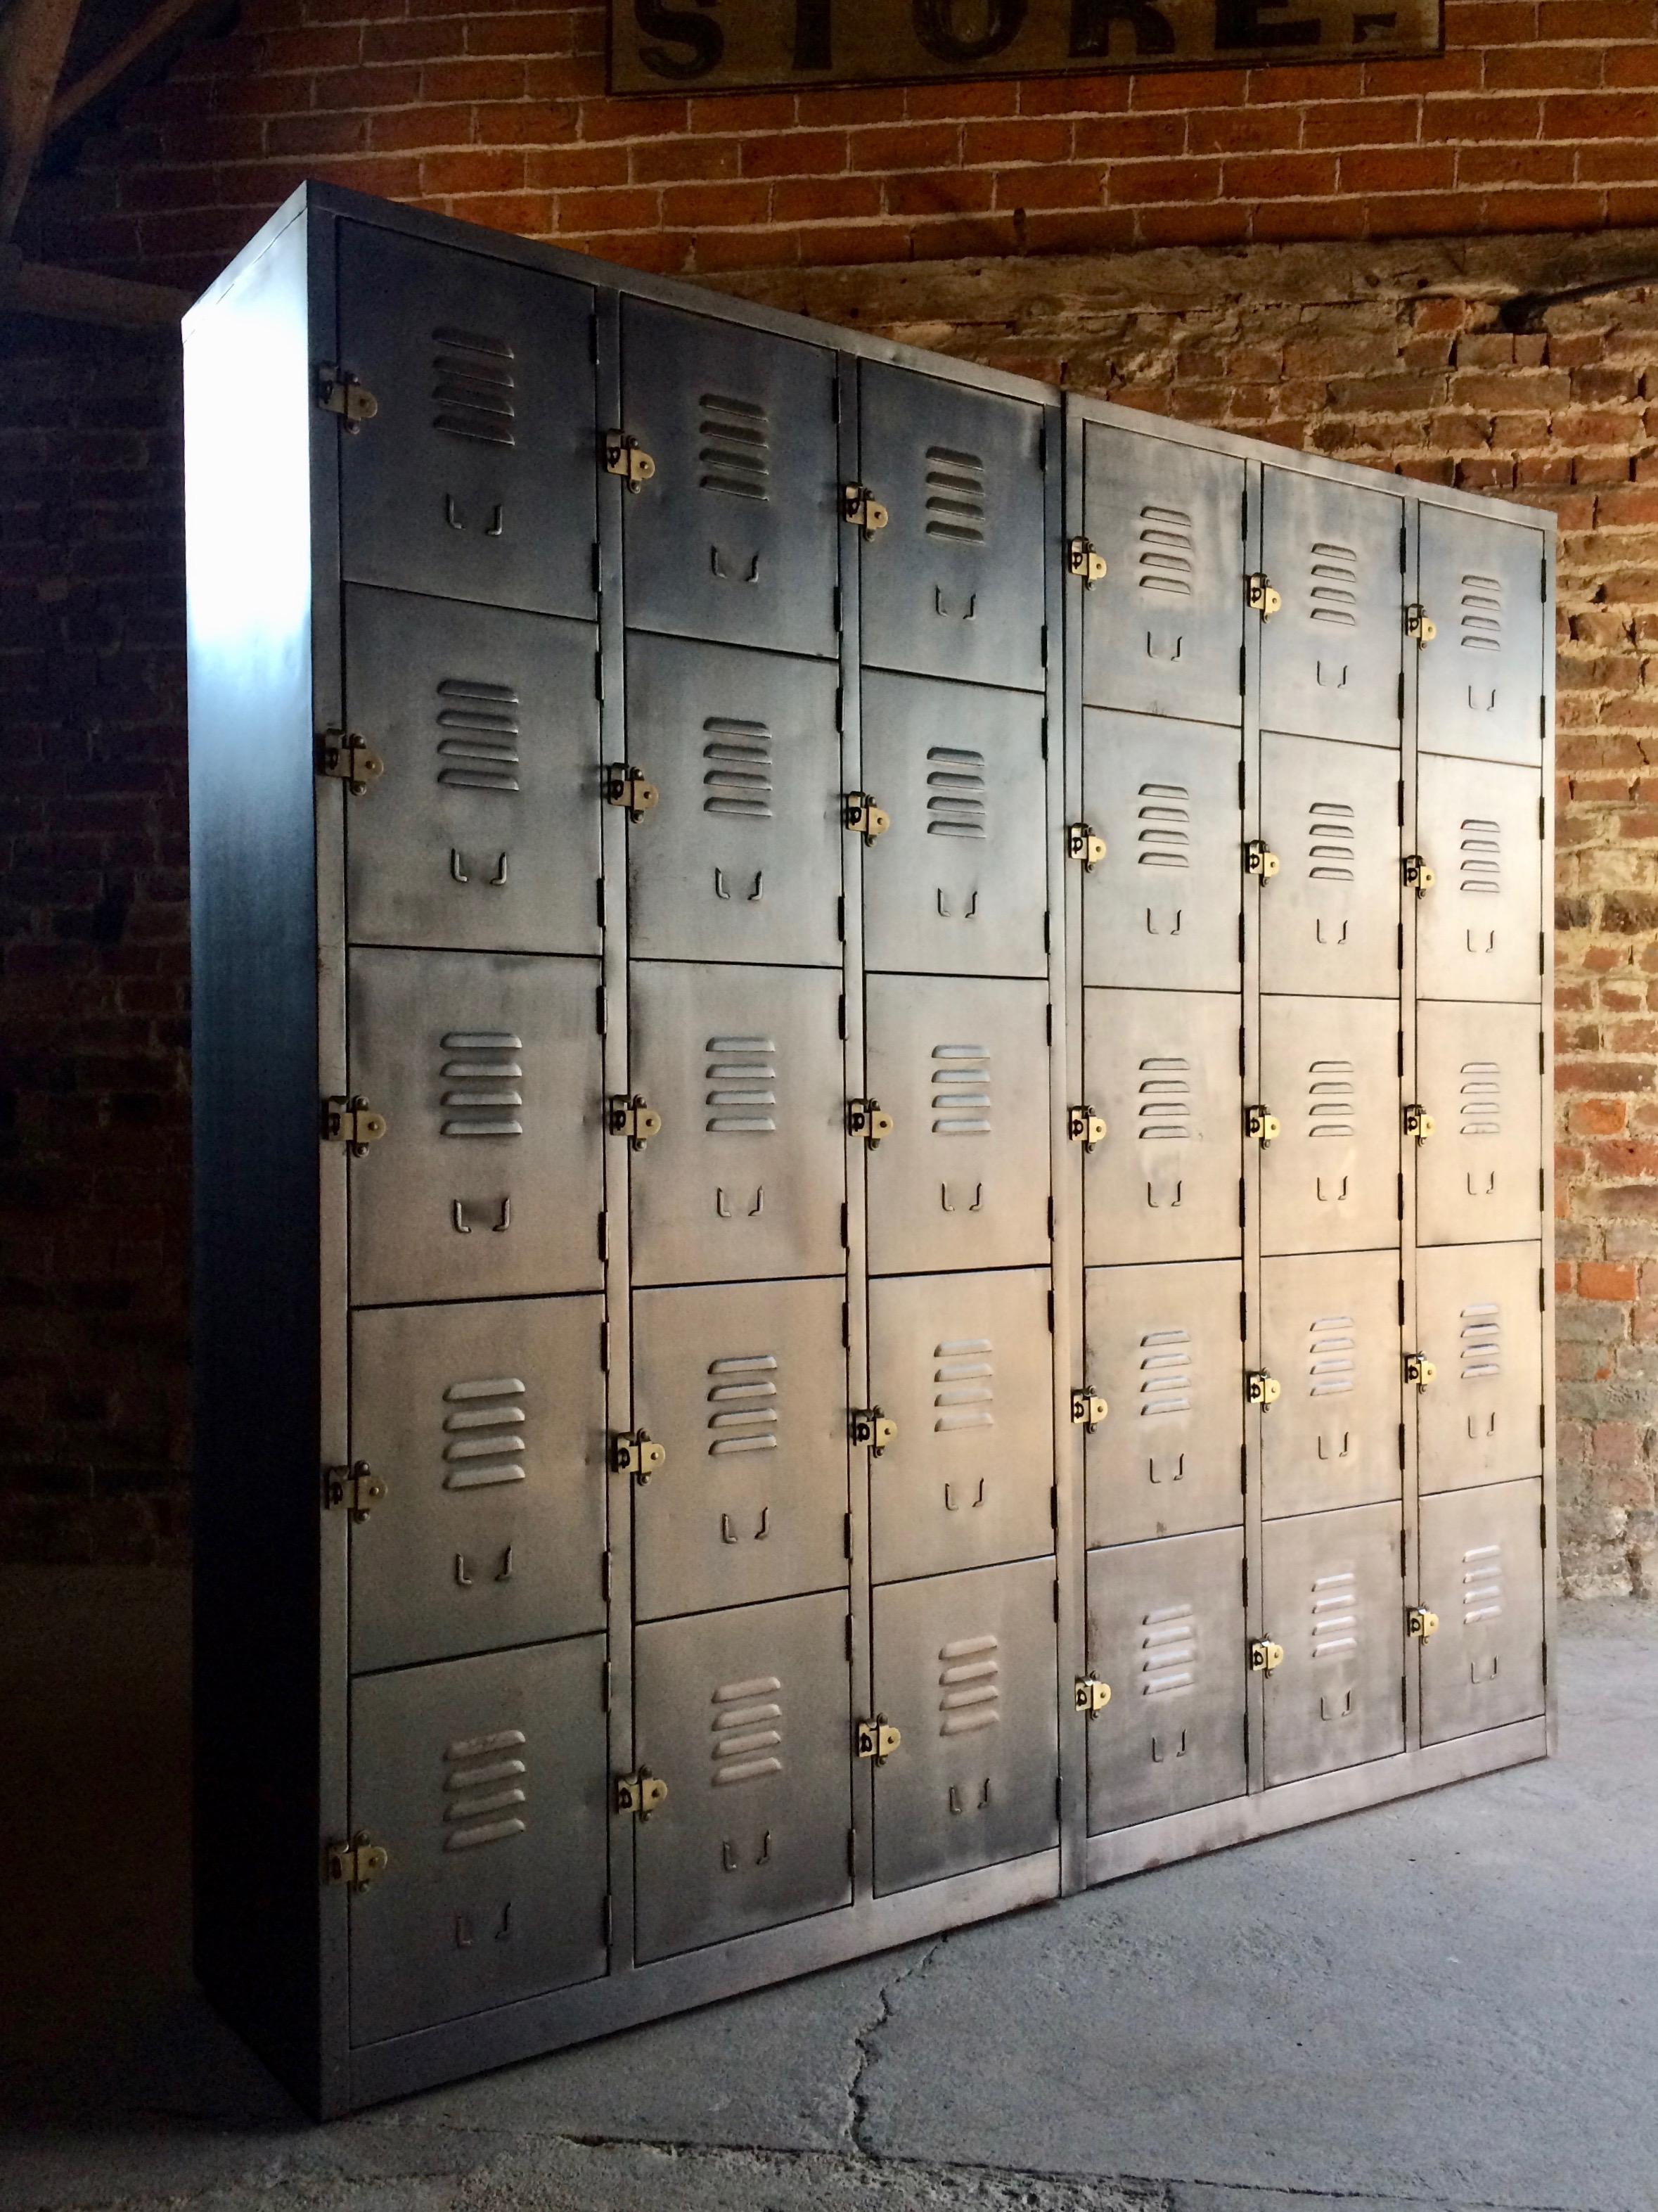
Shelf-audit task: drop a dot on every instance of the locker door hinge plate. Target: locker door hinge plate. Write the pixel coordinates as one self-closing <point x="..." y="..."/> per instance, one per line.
<point x="344" y="755"/>
<point x="349" y="1121"/>
<point x="876" y="1739"/>
<point x="634" y="1119"/>
<point x="356" y="1864"/>
<point x="626" y="457"/>
<point x="1082" y="844"/>
<point x="1419" y="1123"/>
<point x="1417" y="624"/>
<point x="866" y="1118"/>
<point x="640" y="1794"/>
<point x="860" y="507"/>
<point x="868" y="1424"/>
<point x="1260" y="1125"/>
<point x="1087" y="1410"/>
<point x="1419" y="1370"/>
<point x="1085" y="1126"/>
<point x="1260" y="860"/>
<point x="1091" y="1695"/>
<point x="627" y="787"/>
<point x="1419" y="1622"/>
<point x="356" y="1488"/>
<point x="1258" y="593"/>
<point x="859" y="813"/>
<point x="338" y="392"/>
<point x="1264" y="1657"/>
<point x="1418" y="875"/>
<point x="1082" y="559"/>
<point x="1261" y="1389"/>
<point x="632" y="1452"/>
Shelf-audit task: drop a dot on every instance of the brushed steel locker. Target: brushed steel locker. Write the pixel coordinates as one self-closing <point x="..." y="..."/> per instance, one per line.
<point x="958" y="884"/>
<point x="747" y="1715"/>
<point x="1479" y="1177"/>
<point x="1165" y="1351"/>
<point x="1482" y="1573"/>
<point x="1331" y="656"/>
<point x="1164" y="908"/>
<point x="963" y="1365"/>
<point x="740" y="857"/>
<point x="1166" y="1630"/>
<point x="961" y="1066"/>
<point x="747" y="1175"/>
<point x="1329" y="1336"/>
<point x="734" y="535"/>
<point x="746" y="1389"/>
<point x="1329" y="919"/>
<point x="1480" y="1318"/>
<point x="1334" y="1600"/>
<point x="1479" y="925"/>
<point x="964" y="1666"/>
<point x="485" y="1781"/>
<point x="486" y="1068"/>
<point x="1481" y="686"/>
<point x="1162" y="1068"/>
<point x="1162" y="632"/>
<point x="953" y="585"/>
<point x="1329" y="1072"/>
<point x="474" y="478"/>
<point x="485" y="1423"/>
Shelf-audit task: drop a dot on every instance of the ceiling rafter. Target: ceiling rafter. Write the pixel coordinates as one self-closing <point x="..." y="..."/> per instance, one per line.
<point x="34" y="39"/>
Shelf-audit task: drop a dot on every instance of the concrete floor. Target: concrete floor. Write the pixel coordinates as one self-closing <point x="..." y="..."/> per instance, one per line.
<point x="1449" y="2002"/>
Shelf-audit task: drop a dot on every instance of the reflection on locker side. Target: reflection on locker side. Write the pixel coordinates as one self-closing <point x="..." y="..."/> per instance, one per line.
<point x="1478" y="924"/>
<point x="1334" y="1603"/>
<point x="1329" y="919"/>
<point x="1479" y="1072"/>
<point x="1330" y="657"/>
<point x="1162" y="1070"/>
<point x="1482" y="1574"/>
<point x="1329" y="1072"/>
<point x="1329" y="1335"/>
<point x="1479" y="1316"/>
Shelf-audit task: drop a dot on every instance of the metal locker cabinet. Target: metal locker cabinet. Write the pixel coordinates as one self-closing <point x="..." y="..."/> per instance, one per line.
<point x="746" y="1393"/>
<point x="1329" y="1335"/>
<point x="485" y="1425"/>
<point x="1164" y="907"/>
<point x="1479" y="1177"/>
<point x="964" y="1367"/>
<point x="1482" y="1574"/>
<point x="740" y="858"/>
<point x="481" y="829"/>
<point x="1329" y="919"/>
<point x="1480" y="1317"/>
<point x="1166" y="1633"/>
<point x="485" y="1779"/>
<point x="1478" y="924"/>
<point x="733" y="534"/>
<point x="953" y="582"/>
<point x="958" y="885"/>
<point x="1163" y="631"/>
<point x="1484" y="586"/>
<point x="1331" y="656"/>
<point x="1162" y="1069"/>
<point x="1333" y="1600"/>
<point x="964" y="1668"/>
<point x="747" y="1175"/>
<point x="473" y="477"/>
<point x="747" y="1717"/>
<point x="1165" y="1351"/>
<point x="1329" y="1073"/>
<point x="486" y="1069"/>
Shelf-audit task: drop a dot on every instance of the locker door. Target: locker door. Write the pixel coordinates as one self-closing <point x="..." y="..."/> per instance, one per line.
<point x="1163" y="908"/>
<point x="1481" y="681"/>
<point x="1162" y="1068"/>
<point x="740" y="857"/>
<point x="745" y="1387"/>
<point x="486" y="1068"/>
<point x="747" y="1178"/>
<point x="1480" y="1318"/>
<point x="476" y="477"/>
<point x="1482" y="1573"/>
<point x="1329" y="919"/>
<point x="1477" y="1178"/>
<point x="483" y="830"/>
<point x="486" y="1780"/>
<point x="958" y="884"/>
<point x="1166" y="1630"/>
<point x="748" y="1716"/>
<point x="1329" y="1182"/>
<point x="735" y="535"/>
<point x="962" y="1068"/>
<point x="963" y="1365"/>
<point x="953" y="585"/>
<point x="1331" y="657"/>
<point x="1165" y="1351"/>
<point x="486" y="1424"/>
<point x="1330" y="1335"/>
<point x="1163" y="633"/>
<point x="964" y="1666"/>
<point x="1478" y="927"/>
<point x="1333" y="1600"/>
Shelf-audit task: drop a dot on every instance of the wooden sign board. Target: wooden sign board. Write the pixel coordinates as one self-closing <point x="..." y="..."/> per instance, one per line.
<point x="729" y="45"/>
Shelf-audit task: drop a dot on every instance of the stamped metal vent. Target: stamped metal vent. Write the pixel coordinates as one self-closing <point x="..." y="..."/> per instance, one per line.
<point x="955" y="495"/>
<point x="1330" y="1098"/>
<point x="748" y="1731"/>
<point x="1480" y="1110"/>
<point x="1166" y="559"/>
<point x="482" y="1424"/>
<point x="1335" y="1620"/>
<point x="1169" y="1651"/>
<point x="484" y="1078"/>
<point x="1482" y="1583"/>
<point x="737" y="780"/>
<point x="1332" y="828"/>
<point x="961" y="1089"/>
<point x="477" y="749"/>
<point x="743" y="1395"/>
<point x="484" y="1782"/>
<point x="956" y="793"/>
<point x="970" y="1695"/>
<point x="472" y="386"/>
<point x="964" y="1384"/>
<point x="1480" y="868"/>
<point x="1165" y="1373"/>
<point x="1334" y="592"/>
<point x="742" y="1070"/>
<point x="1165" y="1096"/>
<point x="1481" y="1340"/>
<point x="735" y="455"/>
<point x="1480" y="625"/>
<point x="1330" y="1342"/>
<point x="1164" y="838"/>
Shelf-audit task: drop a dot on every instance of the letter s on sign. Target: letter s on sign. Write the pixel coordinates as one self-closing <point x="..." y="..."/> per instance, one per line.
<point x="680" y="26"/>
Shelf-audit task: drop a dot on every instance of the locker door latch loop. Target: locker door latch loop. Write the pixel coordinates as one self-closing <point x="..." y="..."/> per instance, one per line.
<point x="1085" y="1126"/>
<point x="640" y="1794"/>
<point x="876" y="1739"/>
<point x="356" y="1487"/>
<point x="626" y="457"/>
<point x="1087" y="1411"/>
<point x="1260" y="1125"/>
<point x="1419" y="1622"/>
<point x="1092" y="1695"/>
<point x="628" y="786"/>
<point x="349" y="1122"/>
<point x="1081" y="843"/>
<point x="859" y="813"/>
<point x="634" y="1119"/>
<point x="860" y="507"/>
<point x="1419" y="1123"/>
<point x="1082" y="560"/>
<point x="866" y="1118"/>
<point x="1264" y="1657"/>
<point x="1261" y="1389"/>
<point x="1258" y="593"/>
<point x="633" y="1453"/>
<point x="1417" y="624"/>
<point x="1260" y="860"/>
<point x="868" y="1424"/>
<point x="1418" y="875"/>
<point x="1419" y="1370"/>
<point x="338" y="392"/>
<point x="356" y="1864"/>
<point x="349" y="759"/>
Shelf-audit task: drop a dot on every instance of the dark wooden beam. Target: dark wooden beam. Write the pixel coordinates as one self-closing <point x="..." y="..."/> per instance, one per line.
<point x="34" y="39"/>
<point x="118" y="60"/>
<point x="81" y="295"/>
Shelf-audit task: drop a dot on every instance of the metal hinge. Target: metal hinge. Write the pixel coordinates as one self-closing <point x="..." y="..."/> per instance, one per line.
<point x="1085" y="1126"/>
<point x="868" y="1424"/>
<point x="1418" y="625"/>
<point x="626" y="457"/>
<point x="1258" y="593"/>
<point x="876" y="1739"/>
<point x="1419" y="1123"/>
<point x="1418" y="875"/>
<point x="640" y="1794"/>
<point x="1264" y="1657"/>
<point x="338" y="392"/>
<point x="1082" y="844"/>
<point x="355" y="1864"/>
<point x="356" y="1487"/>
<point x="627" y="786"/>
<point x="866" y="1118"/>
<point x="633" y="1453"/>
<point x="1260" y="860"/>
<point x="859" y="812"/>
<point x="1091" y="1695"/>
<point x="1419" y="1370"/>
<point x="1261" y="1389"/>
<point x="1419" y="1622"/>
<point x="342" y="754"/>
<point x="349" y="1121"/>
<point x="633" y="1119"/>
<point x="1087" y="1410"/>
<point x="1260" y="1125"/>
<point x="1081" y="559"/>
<point x="859" y="506"/>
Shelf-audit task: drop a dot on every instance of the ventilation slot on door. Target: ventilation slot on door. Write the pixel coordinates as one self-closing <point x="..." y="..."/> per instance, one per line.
<point x="737" y="780"/>
<point x="743" y="1395"/>
<point x="955" y="495"/>
<point x="482" y="1424"/>
<point x="1482" y="614"/>
<point x="472" y="385"/>
<point x="1169" y="1649"/>
<point x="1482" y="1583"/>
<point x="1165" y="838"/>
<point x="484" y="1083"/>
<point x="484" y="757"/>
<point x="1481" y="1111"/>
<point x="1165" y="1373"/>
<point x="971" y="1698"/>
<point x="1481" y="867"/>
<point x="1330" y="1098"/>
<point x="483" y="1779"/>
<point x="1331" y="829"/>
<point x="961" y="1091"/>
<point x="1481" y="1341"/>
<point x="1166" y="558"/>
<point x="1330" y="1365"/>
<point x="736" y="455"/>
<point x="965" y="1377"/>
<point x="1334" y="589"/>
<point x="748" y="1731"/>
<point x="1335" y="1615"/>
<point x="748" y="1063"/>
<point x="956" y="793"/>
<point x="1165" y="1099"/>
